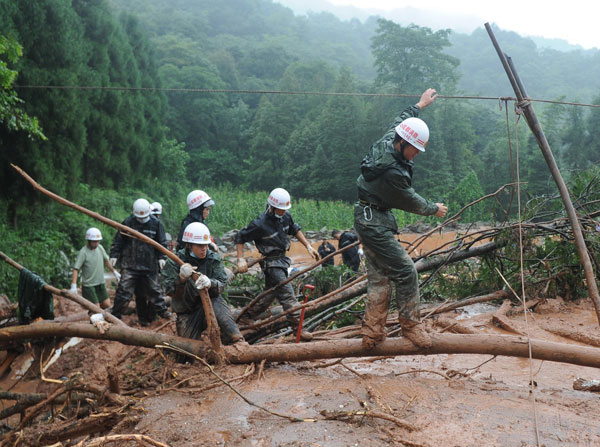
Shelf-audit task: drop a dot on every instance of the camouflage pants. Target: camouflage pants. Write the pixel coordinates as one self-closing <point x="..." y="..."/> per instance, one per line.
<point x="148" y="295"/>
<point x="285" y="295"/>
<point x="191" y="325"/>
<point x="391" y="272"/>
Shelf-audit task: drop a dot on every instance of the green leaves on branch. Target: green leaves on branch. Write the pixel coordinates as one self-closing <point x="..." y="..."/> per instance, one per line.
<point x="11" y="115"/>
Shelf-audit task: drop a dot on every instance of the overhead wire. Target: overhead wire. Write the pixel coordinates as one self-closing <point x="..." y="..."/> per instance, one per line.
<point x="288" y="92"/>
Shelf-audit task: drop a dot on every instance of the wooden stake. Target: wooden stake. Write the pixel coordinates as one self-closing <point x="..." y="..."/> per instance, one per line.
<point x="536" y="128"/>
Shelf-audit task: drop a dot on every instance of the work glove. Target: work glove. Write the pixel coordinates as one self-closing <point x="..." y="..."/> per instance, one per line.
<point x="214" y="247"/>
<point x="117" y="275"/>
<point x="202" y="282"/>
<point x="161" y="263"/>
<point x="100" y="323"/>
<point x="186" y="271"/>
<point x="242" y="265"/>
<point x="113" y="261"/>
<point x="73" y="288"/>
<point x="313" y="253"/>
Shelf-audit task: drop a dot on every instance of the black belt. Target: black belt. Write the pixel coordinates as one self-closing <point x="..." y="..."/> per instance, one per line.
<point x="370" y="205"/>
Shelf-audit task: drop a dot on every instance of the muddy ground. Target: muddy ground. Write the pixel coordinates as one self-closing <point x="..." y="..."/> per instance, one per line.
<point x="449" y="400"/>
<point x="436" y="400"/>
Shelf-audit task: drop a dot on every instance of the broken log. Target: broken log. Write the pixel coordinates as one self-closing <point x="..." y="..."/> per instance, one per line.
<point x="505" y="345"/>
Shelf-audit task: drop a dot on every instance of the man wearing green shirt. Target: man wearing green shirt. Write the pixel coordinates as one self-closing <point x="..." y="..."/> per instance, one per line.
<point x="385" y="183"/>
<point x="90" y="261"/>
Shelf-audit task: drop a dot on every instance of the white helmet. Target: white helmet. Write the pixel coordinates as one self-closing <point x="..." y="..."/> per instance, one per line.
<point x="196" y="233"/>
<point x="141" y="208"/>
<point x="415" y="132"/>
<point x="93" y="234"/>
<point x="156" y="208"/>
<point x="280" y="198"/>
<point x="197" y="198"/>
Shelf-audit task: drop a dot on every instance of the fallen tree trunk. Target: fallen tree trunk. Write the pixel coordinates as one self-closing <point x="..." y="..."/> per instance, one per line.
<point x="123" y="334"/>
<point x="441" y="344"/>
<point x="277" y="322"/>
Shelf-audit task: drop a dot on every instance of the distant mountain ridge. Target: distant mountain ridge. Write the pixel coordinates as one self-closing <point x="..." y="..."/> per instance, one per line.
<point x="404" y="16"/>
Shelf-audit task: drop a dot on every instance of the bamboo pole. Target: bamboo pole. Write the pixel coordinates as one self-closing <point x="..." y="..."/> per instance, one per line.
<point x="538" y="133"/>
<point x="212" y="325"/>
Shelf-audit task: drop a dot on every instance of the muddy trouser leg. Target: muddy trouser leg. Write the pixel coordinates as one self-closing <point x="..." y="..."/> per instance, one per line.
<point x="154" y="293"/>
<point x="190" y="326"/>
<point x="285" y="294"/>
<point x="124" y="292"/>
<point x="229" y="329"/>
<point x="391" y="272"/>
<point x="273" y="276"/>
<point x="145" y="313"/>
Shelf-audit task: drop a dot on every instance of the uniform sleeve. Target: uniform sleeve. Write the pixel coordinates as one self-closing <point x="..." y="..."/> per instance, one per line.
<point x="404" y="197"/>
<point x="169" y="276"/>
<point x="104" y="255"/>
<point x="118" y="242"/>
<point x="161" y="238"/>
<point x="80" y="260"/>
<point x="294" y="227"/>
<point x="409" y="112"/>
<point x="218" y="278"/>
<point x="250" y="232"/>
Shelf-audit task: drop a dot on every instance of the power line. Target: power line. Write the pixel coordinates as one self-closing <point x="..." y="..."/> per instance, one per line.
<point x="283" y="92"/>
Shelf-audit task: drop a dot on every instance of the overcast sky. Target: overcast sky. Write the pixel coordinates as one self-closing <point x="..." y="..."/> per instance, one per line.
<point x="575" y="21"/>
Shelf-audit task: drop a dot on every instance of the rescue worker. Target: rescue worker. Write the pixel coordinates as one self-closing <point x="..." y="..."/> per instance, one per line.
<point x="325" y="249"/>
<point x="271" y="233"/>
<point x="140" y="264"/>
<point x="198" y="203"/>
<point x="90" y="261"/>
<point x="186" y="303"/>
<point x="156" y="209"/>
<point x="384" y="184"/>
<point x="351" y="256"/>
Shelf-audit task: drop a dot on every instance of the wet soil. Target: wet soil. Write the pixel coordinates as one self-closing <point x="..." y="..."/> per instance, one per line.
<point x="449" y="400"/>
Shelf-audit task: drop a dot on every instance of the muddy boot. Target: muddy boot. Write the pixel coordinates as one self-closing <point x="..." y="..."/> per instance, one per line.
<point x="416" y="333"/>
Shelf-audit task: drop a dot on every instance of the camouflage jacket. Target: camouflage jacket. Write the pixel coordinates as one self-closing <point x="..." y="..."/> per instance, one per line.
<point x="188" y="300"/>
<point x="386" y="179"/>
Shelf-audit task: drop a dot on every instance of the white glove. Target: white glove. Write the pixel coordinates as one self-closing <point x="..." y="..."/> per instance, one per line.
<point x="185" y="271"/>
<point x="161" y="263"/>
<point x="73" y="288"/>
<point x="202" y="282"/>
<point x="313" y="253"/>
<point x="117" y="275"/>
<point x="100" y="323"/>
<point x="113" y="261"/>
<point x="214" y="247"/>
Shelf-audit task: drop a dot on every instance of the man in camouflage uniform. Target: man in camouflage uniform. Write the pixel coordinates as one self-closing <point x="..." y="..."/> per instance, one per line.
<point x="385" y="183"/>
<point x="186" y="302"/>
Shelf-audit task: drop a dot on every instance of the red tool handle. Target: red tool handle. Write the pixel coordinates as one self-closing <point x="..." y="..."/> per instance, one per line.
<point x="306" y="295"/>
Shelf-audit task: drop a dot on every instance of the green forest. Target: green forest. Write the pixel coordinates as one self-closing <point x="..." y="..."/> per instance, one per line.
<point x="105" y="101"/>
